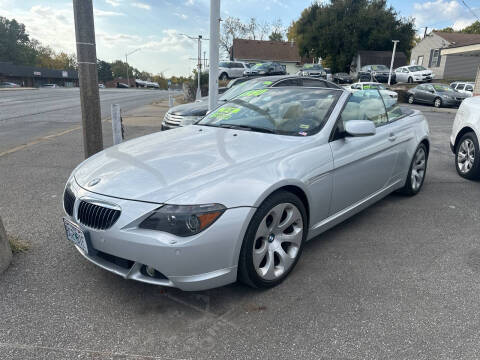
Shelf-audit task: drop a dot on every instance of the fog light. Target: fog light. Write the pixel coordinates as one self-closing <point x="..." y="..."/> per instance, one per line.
<point x="150" y="271"/>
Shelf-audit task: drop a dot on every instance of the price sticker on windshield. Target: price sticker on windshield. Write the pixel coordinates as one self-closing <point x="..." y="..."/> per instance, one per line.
<point x="253" y="93"/>
<point x="225" y="113"/>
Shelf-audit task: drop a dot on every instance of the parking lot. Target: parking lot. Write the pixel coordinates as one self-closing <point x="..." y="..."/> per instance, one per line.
<point x="400" y="280"/>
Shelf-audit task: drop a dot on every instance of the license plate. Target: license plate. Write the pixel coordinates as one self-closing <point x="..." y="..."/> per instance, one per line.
<point x="75" y="235"/>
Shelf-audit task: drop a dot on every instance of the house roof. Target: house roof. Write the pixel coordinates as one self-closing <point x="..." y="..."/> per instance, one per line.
<point x="244" y="49"/>
<point x="459" y="39"/>
<point x="9" y="69"/>
<point x="372" y="57"/>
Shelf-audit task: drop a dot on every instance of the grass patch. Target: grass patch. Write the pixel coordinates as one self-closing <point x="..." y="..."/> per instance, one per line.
<point x="18" y="245"/>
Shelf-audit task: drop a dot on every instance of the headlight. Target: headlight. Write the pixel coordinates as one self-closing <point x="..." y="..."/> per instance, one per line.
<point x="262" y="72"/>
<point x="304" y="73"/>
<point x="183" y="220"/>
<point x="189" y="120"/>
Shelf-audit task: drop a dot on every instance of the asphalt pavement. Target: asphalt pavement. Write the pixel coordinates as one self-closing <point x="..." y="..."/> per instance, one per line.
<point x="400" y="280"/>
<point x="26" y="115"/>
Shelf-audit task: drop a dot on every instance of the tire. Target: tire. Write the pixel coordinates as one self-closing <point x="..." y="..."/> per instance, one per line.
<point x="223" y="76"/>
<point x="411" y="99"/>
<point x="467" y="157"/>
<point x="437" y="102"/>
<point x="263" y="252"/>
<point x="410" y="80"/>
<point x="416" y="172"/>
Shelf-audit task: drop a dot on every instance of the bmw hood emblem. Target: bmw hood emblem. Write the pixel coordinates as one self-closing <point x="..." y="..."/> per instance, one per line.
<point x="94" y="182"/>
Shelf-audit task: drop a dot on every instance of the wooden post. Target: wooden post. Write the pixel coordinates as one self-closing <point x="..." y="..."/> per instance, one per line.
<point x="5" y="251"/>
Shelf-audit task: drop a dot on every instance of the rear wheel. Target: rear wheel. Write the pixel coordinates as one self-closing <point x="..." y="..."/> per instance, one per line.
<point x="437" y="102"/>
<point x="467" y="157"/>
<point x="411" y="99"/>
<point x="274" y="241"/>
<point x="417" y="171"/>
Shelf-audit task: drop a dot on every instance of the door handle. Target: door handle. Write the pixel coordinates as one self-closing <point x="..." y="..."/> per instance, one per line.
<point x="392" y="137"/>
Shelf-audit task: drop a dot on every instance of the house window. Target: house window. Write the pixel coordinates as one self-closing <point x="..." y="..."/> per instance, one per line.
<point x="434" y="58"/>
<point x="420" y="60"/>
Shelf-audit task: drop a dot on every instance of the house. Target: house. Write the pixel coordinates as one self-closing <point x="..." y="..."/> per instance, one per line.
<point x="31" y="76"/>
<point x="372" y="57"/>
<point x="285" y="53"/>
<point x="452" y="56"/>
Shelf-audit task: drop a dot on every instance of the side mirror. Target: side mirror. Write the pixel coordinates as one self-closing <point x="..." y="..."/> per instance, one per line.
<point x="358" y="128"/>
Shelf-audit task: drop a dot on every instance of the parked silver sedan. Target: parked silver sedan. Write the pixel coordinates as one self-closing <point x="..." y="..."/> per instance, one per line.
<point x="237" y="195"/>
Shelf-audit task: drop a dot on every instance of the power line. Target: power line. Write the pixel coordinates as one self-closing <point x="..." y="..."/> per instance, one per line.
<point x="470" y="9"/>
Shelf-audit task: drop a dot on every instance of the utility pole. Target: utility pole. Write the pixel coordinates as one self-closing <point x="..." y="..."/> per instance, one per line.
<point x="425" y="32"/>
<point x="88" y="76"/>
<point x="214" y="54"/>
<point x="199" y="75"/>
<point x="126" y="63"/>
<point x="199" y="62"/>
<point x="393" y="58"/>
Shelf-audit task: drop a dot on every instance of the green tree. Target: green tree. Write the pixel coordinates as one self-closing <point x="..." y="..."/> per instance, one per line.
<point x="15" y="43"/>
<point x="337" y="30"/>
<point x="473" y="28"/>
<point x="448" y="29"/>
<point x="275" y="36"/>
<point x="104" y="71"/>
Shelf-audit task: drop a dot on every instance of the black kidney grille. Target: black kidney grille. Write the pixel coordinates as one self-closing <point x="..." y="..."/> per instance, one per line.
<point x="97" y="217"/>
<point x="68" y="201"/>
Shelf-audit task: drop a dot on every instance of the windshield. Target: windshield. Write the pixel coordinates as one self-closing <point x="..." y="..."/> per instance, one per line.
<point x="312" y="67"/>
<point x="442" y="88"/>
<point x="379" y="68"/>
<point x="416" y="68"/>
<point x="241" y="88"/>
<point x="376" y="86"/>
<point x="287" y="111"/>
<point x="260" y="66"/>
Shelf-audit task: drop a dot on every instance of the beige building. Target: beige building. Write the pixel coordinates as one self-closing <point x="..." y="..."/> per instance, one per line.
<point x="450" y="56"/>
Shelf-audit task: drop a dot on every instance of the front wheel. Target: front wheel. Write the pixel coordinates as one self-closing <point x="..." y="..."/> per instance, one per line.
<point x="437" y="102"/>
<point x="467" y="157"/>
<point x="410" y="80"/>
<point x="274" y="241"/>
<point x="224" y="76"/>
<point x="417" y="171"/>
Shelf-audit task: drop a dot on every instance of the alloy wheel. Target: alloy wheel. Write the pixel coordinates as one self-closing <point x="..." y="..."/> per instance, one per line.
<point x="418" y="169"/>
<point x="466" y="156"/>
<point x="410" y="99"/>
<point x="437" y="103"/>
<point x="277" y="241"/>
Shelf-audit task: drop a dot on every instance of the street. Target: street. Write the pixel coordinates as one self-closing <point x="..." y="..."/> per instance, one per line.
<point x="26" y="115"/>
<point x="400" y="280"/>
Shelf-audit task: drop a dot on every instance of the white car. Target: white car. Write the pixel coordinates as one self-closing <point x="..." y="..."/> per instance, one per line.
<point x="463" y="87"/>
<point x="231" y="69"/>
<point x="413" y="73"/>
<point x="464" y="139"/>
<point x="372" y="86"/>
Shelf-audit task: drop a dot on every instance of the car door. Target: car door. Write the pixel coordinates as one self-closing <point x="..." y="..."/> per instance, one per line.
<point x="400" y="75"/>
<point x="429" y="94"/>
<point x="363" y="166"/>
<point x="421" y="93"/>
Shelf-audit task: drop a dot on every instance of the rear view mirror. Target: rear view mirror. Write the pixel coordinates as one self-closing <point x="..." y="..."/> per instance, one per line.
<point x="360" y="128"/>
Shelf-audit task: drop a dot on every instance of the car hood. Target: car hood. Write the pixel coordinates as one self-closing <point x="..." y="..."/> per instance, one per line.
<point x="163" y="165"/>
<point x="198" y="108"/>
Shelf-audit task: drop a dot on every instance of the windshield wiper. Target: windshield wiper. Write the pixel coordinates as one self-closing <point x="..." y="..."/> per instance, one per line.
<point x="248" y="128"/>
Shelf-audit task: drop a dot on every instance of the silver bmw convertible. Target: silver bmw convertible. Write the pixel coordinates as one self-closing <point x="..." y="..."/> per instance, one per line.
<point x="237" y="195"/>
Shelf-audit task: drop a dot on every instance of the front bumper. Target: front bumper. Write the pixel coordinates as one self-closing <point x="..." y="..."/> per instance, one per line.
<point x="451" y="102"/>
<point x="199" y="262"/>
<point x="166" y="126"/>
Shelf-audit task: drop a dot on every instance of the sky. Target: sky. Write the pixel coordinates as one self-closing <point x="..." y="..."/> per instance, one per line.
<point x="155" y="26"/>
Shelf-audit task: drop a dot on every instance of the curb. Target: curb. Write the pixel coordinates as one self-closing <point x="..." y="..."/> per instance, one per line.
<point x="17" y="89"/>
